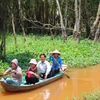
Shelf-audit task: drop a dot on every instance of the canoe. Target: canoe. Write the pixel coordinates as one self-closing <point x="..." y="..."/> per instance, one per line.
<point x="23" y="87"/>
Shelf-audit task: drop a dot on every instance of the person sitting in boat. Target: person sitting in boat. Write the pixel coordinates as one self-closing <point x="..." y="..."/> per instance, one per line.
<point x="31" y="75"/>
<point x="56" y="62"/>
<point x="16" y="72"/>
<point x="43" y="67"/>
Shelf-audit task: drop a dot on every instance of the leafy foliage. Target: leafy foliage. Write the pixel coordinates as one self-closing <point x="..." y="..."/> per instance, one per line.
<point x="3" y="66"/>
<point x="92" y="96"/>
<point x="75" y="55"/>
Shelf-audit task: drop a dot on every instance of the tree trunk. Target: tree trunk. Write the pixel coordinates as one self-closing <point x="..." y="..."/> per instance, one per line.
<point x="13" y="26"/>
<point x="87" y="19"/>
<point x="14" y="32"/>
<point x="2" y="47"/>
<point x="76" y="19"/>
<point x="96" y="25"/>
<point x="97" y="33"/>
<point x="3" y="42"/>
<point x="4" y="19"/>
<point x="61" y="22"/>
<point x="44" y="11"/>
<point x="79" y="22"/>
<point x="76" y="31"/>
<point x="66" y="9"/>
<point x="21" y="21"/>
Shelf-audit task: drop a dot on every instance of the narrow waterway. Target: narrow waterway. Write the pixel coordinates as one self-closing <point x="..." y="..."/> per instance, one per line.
<point x="82" y="80"/>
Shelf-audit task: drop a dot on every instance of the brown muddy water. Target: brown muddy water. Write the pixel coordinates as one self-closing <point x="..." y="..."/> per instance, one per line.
<point x="82" y="80"/>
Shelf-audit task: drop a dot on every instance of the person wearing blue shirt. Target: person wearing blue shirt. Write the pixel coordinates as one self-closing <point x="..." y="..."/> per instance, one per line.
<point x="56" y="62"/>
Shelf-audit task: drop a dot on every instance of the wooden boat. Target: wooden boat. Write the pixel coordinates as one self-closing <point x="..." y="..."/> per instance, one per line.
<point x="23" y="87"/>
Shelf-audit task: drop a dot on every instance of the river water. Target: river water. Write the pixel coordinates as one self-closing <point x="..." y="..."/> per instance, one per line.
<point x="81" y="80"/>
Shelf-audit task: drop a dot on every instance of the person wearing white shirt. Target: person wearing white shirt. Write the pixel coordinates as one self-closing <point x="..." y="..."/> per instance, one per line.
<point x="44" y="67"/>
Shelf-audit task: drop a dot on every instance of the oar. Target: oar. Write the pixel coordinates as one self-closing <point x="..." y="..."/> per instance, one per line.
<point x="66" y="74"/>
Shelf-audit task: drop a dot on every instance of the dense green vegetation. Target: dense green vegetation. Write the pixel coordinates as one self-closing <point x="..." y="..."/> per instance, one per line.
<point x="84" y="54"/>
<point x="65" y="18"/>
<point x="90" y="96"/>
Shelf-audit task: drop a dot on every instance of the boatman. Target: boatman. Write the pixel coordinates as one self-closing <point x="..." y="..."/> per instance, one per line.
<point x="56" y="62"/>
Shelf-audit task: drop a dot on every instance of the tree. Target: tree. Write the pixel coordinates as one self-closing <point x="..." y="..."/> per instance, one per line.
<point x="3" y="18"/>
<point x="21" y="20"/>
<point x="50" y="17"/>
<point x="77" y="31"/>
<point x="61" y="22"/>
<point x="96" y="26"/>
<point x="13" y="23"/>
<point x="86" y="17"/>
<point x="66" y="11"/>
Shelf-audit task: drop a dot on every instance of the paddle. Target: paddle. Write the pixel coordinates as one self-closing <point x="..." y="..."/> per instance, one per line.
<point x="66" y="74"/>
<point x="60" y="66"/>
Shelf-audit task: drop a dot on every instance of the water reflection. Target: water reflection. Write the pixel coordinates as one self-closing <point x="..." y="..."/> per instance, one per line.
<point x="45" y="94"/>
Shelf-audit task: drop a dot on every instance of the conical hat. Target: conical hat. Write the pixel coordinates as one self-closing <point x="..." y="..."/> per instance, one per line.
<point x="56" y="51"/>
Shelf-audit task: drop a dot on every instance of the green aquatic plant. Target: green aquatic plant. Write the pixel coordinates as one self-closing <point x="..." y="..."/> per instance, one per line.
<point x="73" y="54"/>
<point x="92" y="96"/>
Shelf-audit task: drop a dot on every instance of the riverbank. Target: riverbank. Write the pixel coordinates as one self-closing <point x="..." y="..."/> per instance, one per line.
<point x="84" y="54"/>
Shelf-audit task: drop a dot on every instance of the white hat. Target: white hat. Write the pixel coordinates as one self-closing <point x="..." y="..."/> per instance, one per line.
<point x="15" y="61"/>
<point x="33" y="61"/>
<point x="56" y="51"/>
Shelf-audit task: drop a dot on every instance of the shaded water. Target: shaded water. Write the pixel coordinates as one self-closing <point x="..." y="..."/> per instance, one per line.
<point x="82" y="80"/>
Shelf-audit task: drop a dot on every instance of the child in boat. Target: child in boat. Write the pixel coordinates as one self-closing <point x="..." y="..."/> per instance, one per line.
<point x="31" y="75"/>
<point x="56" y="62"/>
<point x="43" y="67"/>
<point x="16" y="72"/>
